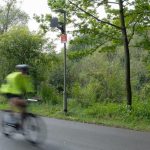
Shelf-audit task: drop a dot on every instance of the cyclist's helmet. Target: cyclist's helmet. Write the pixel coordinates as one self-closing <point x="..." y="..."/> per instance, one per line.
<point x="23" y="67"/>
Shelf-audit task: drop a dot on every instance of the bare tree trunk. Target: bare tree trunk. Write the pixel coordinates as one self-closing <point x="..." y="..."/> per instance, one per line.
<point x="9" y="5"/>
<point x="127" y="54"/>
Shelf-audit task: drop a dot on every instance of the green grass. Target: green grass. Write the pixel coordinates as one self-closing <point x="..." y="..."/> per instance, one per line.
<point x="109" y="114"/>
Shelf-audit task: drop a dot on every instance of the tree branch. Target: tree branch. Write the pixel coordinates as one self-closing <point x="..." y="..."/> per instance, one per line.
<point x="113" y="3"/>
<point x="127" y="3"/>
<point x="108" y="23"/>
<point x="133" y="30"/>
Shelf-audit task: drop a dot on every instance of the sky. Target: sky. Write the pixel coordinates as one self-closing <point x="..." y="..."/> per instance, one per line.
<point x="38" y="7"/>
<point x="32" y="7"/>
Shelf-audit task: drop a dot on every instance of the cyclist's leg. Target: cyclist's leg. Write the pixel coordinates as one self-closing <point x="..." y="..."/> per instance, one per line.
<point x="11" y="107"/>
<point x="20" y="104"/>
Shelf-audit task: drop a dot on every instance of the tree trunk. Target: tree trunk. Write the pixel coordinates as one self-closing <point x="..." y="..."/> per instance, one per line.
<point x="127" y="54"/>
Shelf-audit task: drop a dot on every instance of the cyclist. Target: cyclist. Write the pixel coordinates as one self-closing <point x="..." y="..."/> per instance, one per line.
<point x="17" y="85"/>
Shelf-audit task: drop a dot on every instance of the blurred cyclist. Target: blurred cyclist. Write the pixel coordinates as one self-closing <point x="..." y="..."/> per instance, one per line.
<point x="17" y="85"/>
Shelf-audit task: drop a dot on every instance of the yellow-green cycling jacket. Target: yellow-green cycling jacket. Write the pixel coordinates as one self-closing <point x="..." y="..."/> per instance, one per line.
<point x="18" y="84"/>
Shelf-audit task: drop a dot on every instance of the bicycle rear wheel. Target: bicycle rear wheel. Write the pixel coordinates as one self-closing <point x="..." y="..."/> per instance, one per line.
<point x="34" y="129"/>
<point x="8" y="128"/>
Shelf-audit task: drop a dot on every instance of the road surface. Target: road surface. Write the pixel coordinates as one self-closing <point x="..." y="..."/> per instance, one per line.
<point x="68" y="135"/>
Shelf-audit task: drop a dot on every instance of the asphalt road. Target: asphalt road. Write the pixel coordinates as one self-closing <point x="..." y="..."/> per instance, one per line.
<point x="67" y="135"/>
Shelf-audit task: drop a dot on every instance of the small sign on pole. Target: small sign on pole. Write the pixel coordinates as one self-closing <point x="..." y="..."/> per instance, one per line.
<point x="64" y="38"/>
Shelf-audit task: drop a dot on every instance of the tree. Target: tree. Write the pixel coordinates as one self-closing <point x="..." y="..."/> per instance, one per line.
<point x="11" y="15"/>
<point x="19" y="46"/>
<point x="121" y="18"/>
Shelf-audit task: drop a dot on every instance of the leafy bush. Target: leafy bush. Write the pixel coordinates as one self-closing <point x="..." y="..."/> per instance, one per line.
<point x="102" y="110"/>
<point x="79" y="94"/>
<point x="145" y="92"/>
<point x="49" y="94"/>
<point x="3" y="100"/>
<point x="95" y="91"/>
<point x="141" y="110"/>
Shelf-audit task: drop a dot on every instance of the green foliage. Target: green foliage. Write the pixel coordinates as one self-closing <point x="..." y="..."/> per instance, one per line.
<point x="19" y="46"/>
<point x="42" y="67"/>
<point x="82" y="98"/>
<point x="44" y="21"/>
<point x="10" y="15"/>
<point x="145" y="94"/>
<point x="57" y="3"/>
<point x="49" y="94"/>
<point x="99" y="78"/>
<point x="141" y="110"/>
<point x="86" y="96"/>
<point x="102" y="110"/>
<point x="110" y="114"/>
<point x="113" y="111"/>
<point x="96" y="81"/>
<point x="102" y="35"/>
<point x="3" y="100"/>
<point x="56" y="77"/>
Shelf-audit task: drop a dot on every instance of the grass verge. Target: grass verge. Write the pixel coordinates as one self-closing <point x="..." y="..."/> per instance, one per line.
<point x="109" y="114"/>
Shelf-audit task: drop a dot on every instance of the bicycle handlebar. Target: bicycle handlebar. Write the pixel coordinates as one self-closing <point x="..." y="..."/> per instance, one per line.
<point x="32" y="100"/>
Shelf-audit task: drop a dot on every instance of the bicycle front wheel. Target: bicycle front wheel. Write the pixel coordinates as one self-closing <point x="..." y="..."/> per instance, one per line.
<point x="34" y="129"/>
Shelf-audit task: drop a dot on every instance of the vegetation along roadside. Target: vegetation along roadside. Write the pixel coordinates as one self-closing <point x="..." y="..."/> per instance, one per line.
<point x="109" y="114"/>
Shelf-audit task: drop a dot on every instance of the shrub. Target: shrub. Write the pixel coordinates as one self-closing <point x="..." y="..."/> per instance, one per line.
<point x="145" y="94"/>
<point x="80" y="94"/>
<point x="141" y="110"/>
<point x="3" y="100"/>
<point x="49" y="94"/>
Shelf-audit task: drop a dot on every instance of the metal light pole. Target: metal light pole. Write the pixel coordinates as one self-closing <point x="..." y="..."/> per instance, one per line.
<point x="62" y="27"/>
<point x="65" y="94"/>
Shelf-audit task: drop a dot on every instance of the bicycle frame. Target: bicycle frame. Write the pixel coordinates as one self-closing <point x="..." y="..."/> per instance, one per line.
<point x="32" y="120"/>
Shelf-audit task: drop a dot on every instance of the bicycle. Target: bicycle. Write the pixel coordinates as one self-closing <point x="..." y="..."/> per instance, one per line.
<point x="33" y="128"/>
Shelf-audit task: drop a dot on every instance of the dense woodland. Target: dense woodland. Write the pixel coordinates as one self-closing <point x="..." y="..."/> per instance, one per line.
<point x="95" y="56"/>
